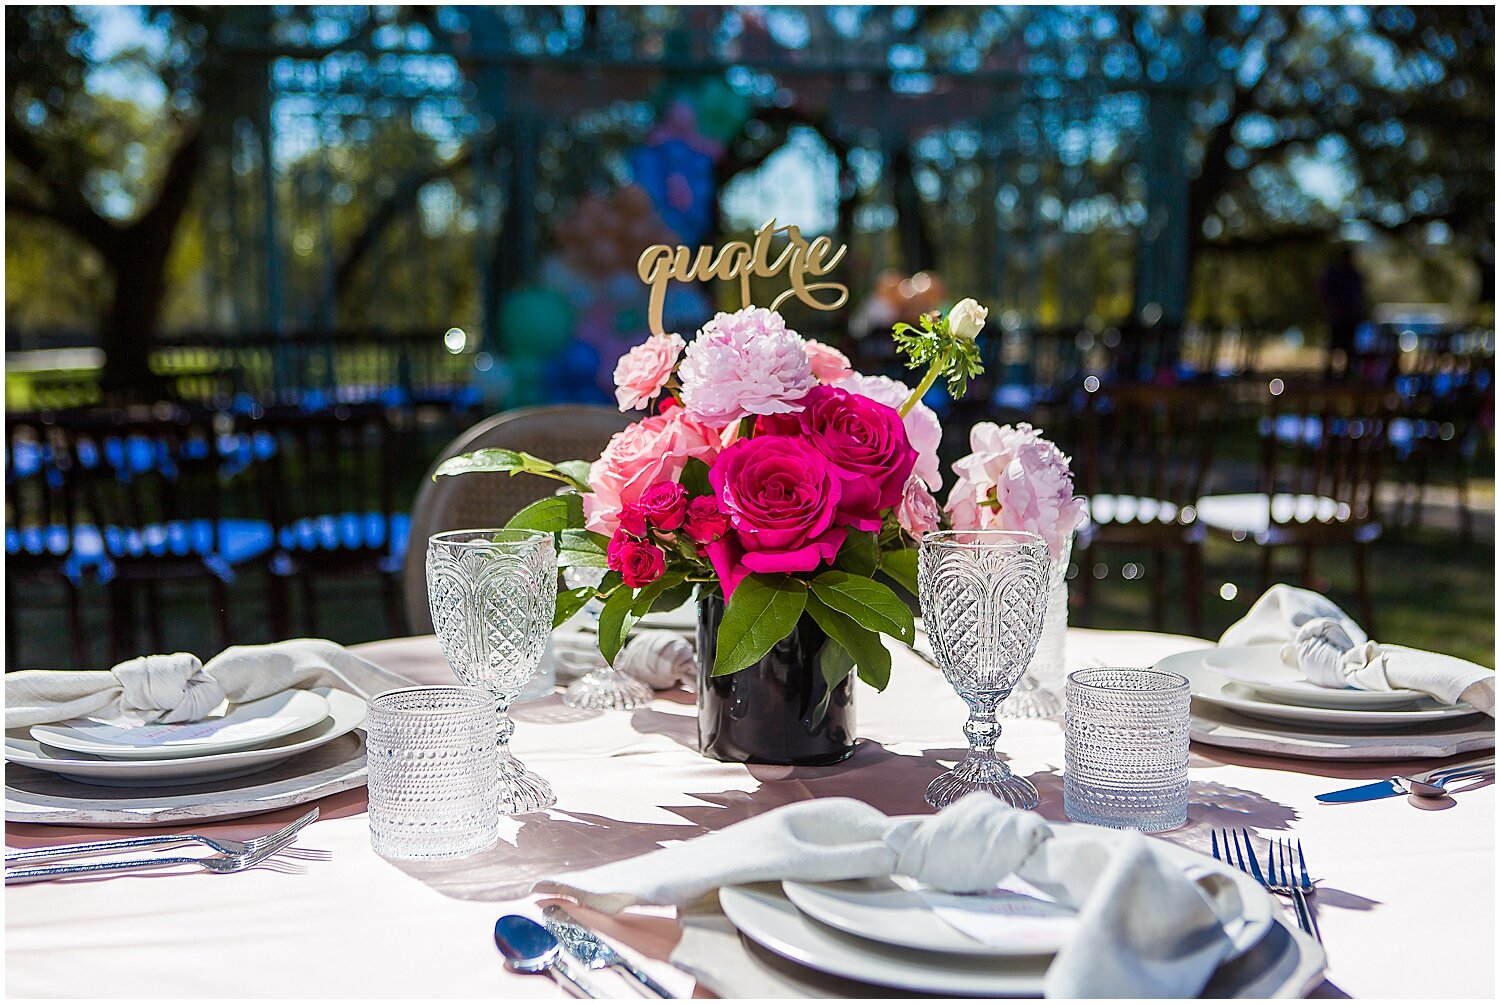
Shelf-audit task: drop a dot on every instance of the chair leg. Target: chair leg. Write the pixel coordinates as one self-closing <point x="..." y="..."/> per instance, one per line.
<point x="1193" y="572"/>
<point x="1362" y="586"/>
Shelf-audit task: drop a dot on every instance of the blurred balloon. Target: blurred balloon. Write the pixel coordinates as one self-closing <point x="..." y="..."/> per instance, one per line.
<point x="721" y="110"/>
<point x="535" y="323"/>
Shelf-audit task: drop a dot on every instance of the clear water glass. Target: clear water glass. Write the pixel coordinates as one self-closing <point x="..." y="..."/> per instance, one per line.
<point x="1126" y="760"/>
<point x="984" y="595"/>
<point x="431" y="756"/>
<point x="601" y="687"/>
<point x="493" y="594"/>
<point x="1039" y="694"/>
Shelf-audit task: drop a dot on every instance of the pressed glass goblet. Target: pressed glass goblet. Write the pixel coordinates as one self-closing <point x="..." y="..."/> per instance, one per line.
<point x="602" y="687"/>
<point x="984" y="595"/>
<point x="1039" y="692"/>
<point x="493" y="593"/>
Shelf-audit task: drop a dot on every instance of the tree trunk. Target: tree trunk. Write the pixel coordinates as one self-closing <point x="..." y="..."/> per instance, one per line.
<point x="128" y="327"/>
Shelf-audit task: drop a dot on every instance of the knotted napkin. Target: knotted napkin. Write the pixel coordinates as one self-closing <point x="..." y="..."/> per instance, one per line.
<point x="1332" y="651"/>
<point x="1145" y="928"/>
<point x="180" y="688"/>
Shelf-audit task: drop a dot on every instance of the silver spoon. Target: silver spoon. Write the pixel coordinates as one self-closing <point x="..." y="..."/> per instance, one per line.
<point x="1432" y="785"/>
<point x="529" y="947"/>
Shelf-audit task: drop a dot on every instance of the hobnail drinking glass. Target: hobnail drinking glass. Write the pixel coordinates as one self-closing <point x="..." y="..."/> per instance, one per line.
<point x="493" y="594"/>
<point x="984" y="594"/>
<point x="430" y="753"/>
<point x="1039" y="693"/>
<point x="602" y="687"/>
<point x="1126" y="759"/>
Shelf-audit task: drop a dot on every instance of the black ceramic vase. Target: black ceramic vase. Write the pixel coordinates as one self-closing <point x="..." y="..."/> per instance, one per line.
<point x="777" y="711"/>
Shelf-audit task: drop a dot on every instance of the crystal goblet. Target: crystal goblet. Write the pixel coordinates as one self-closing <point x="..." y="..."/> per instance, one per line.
<point x="493" y="594"/>
<point x="601" y="687"/>
<point x="984" y="596"/>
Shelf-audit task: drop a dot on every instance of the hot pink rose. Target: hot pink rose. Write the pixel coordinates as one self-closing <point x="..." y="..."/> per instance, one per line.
<point x="922" y="427"/>
<point x="633" y="521"/>
<point x="646" y="453"/>
<point x="1015" y="480"/>
<point x="829" y="365"/>
<point x="664" y="505"/>
<point x="639" y="562"/>
<point x="642" y="372"/>
<point x="917" y="513"/>
<point x="864" y="439"/>
<point x="705" y="522"/>
<point x="781" y="496"/>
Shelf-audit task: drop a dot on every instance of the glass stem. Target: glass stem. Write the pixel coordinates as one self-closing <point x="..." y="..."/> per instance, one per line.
<point x="504" y="727"/>
<point x="982" y="729"/>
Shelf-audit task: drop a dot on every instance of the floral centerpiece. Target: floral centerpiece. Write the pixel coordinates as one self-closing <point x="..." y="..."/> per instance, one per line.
<point x="789" y="492"/>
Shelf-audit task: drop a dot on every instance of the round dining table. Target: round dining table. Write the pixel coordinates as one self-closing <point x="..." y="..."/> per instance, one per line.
<point x="1405" y="896"/>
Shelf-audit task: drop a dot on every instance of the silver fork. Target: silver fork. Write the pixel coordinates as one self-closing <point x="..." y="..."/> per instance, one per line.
<point x="220" y="864"/>
<point x="1242" y="856"/>
<point x="220" y="844"/>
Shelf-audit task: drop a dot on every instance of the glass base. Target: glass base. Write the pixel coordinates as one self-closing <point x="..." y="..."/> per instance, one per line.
<point x="982" y="772"/>
<point x="522" y="790"/>
<point x="1029" y="700"/>
<point x="607" y="689"/>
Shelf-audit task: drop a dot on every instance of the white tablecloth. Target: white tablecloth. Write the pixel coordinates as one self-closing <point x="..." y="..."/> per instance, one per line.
<point x="1397" y="882"/>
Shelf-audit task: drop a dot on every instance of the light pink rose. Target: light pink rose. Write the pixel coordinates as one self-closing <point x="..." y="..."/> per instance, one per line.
<point x="745" y="363"/>
<point x="923" y="430"/>
<point x="917" y="512"/>
<point x="646" y="453"/>
<point x="642" y="372"/>
<point x="1015" y="480"/>
<point x="829" y="365"/>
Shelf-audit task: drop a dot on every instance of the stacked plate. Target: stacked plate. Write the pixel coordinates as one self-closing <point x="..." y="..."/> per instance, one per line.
<point x="893" y="933"/>
<point x="1245" y="697"/>
<point x="78" y="762"/>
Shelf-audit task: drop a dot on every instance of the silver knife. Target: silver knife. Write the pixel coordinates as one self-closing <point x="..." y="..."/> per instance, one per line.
<point x="1429" y="784"/>
<point x="593" y="951"/>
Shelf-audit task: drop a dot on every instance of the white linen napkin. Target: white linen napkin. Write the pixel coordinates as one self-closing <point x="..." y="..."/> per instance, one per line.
<point x="1145" y="929"/>
<point x="1332" y="651"/>
<point x="180" y="688"/>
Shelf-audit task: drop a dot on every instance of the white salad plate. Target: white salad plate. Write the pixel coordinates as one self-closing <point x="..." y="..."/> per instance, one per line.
<point x="1261" y="668"/>
<point x="228" y="729"/>
<point x="887" y="955"/>
<point x="346" y="712"/>
<point x="1209" y="687"/>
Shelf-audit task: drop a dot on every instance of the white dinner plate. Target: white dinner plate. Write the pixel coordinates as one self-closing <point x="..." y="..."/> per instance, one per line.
<point x="883" y="956"/>
<point x="1211" y="688"/>
<point x="1260" y="668"/>
<point x="233" y="727"/>
<point x="1215" y="726"/>
<point x="346" y="712"/>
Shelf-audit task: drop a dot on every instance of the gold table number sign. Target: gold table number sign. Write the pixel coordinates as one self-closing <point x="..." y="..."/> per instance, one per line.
<point x="661" y="263"/>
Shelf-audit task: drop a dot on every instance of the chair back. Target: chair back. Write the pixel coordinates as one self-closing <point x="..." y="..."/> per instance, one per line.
<point x="1327" y="443"/>
<point x="1147" y="442"/>
<point x="556" y="433"/>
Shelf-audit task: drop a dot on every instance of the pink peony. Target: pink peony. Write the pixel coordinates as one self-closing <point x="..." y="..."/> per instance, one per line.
<point x="664" y="505"/>
<point x="1015" y="480"/>
<point x="705" y="522"/>
<point x="781" y="496"/>
<point x="639" y="562"/>
<point x="646" y="453"/>
<point x="745" y="363"/>
<point x="917" y="512"/>
<point x="829" y="365"/>
<point x="642" y="372"/>
<point x="923" y="430"/>
<point x="864" y="439"/>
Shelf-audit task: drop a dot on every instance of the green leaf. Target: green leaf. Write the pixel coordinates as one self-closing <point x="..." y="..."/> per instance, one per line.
<point x="495" y="460"/>
<point x="646" y="598"/>
<point x="869" y="654"/>
<point x="835" y="662"/>
<point x="582" y="548"/>
<point x="859" y="554"/>
<point x="673" y="598"/>
<point x="694" y="478"/>
<point x="569" y="602"/>
<point x="577" y="472"/>
<point x="552" y="514"/>
<point x="901" y="566"/>
<point x="615" y="622"/>
<point x="870" y="604"/>
<point x="763" y="610"/>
